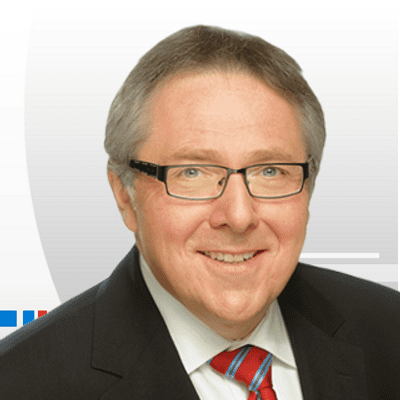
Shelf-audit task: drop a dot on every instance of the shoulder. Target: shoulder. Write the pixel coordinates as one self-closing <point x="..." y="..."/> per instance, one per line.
<point x="352" y="297"/>
<point x="327" y="310"/>
<point x="52" y="346"/>
<point x="73" y="313"/>
<point x="80" y="349"/>
<point x="333" y="284"/>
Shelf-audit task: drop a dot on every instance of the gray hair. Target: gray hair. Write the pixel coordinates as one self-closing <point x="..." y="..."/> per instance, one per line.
<point x="204" y="48"/>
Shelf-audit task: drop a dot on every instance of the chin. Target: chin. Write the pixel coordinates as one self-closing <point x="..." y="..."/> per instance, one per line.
<point x="233" y="325"/>
<point x="239" y="314"/>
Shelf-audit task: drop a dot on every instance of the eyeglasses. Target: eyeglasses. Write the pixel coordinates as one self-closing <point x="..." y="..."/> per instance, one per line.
<point x="205" y="182"/>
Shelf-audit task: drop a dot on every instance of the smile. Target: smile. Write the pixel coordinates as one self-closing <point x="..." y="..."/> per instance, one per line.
<point x="230" y="258"/>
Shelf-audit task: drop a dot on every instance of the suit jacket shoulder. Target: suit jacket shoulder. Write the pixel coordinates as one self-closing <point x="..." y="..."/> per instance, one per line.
<point x="362" y="301"/>
<point x="109" y="342"/>
<point x="344" y="327"/>
<point x="50" y="356"/>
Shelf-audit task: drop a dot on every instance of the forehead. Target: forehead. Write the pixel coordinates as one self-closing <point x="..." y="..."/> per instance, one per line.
<point x="221" y="115"/>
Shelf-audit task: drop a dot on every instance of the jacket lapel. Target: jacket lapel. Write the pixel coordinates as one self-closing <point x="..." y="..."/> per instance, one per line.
<point x="131" y="341"/>
<point x="329" y="366"/>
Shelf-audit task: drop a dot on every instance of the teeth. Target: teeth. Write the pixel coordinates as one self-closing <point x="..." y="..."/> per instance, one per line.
<point x="230" y="258"/>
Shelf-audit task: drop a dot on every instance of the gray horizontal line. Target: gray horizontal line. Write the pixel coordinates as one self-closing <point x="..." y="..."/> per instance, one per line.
<point x="338" y="255"/>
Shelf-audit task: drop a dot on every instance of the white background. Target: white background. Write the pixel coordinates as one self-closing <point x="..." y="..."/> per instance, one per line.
<point x="25" y="282"/>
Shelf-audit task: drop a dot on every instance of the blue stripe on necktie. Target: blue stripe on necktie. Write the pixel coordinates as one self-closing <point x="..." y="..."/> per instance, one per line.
<point x="235" y="364"/>
<point x="260" y="374"/>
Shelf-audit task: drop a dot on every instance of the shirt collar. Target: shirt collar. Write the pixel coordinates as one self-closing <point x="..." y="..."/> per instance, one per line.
<point x="197" y="343"/>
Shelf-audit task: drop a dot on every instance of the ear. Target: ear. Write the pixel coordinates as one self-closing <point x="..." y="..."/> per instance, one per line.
<point x="126" y="208"/>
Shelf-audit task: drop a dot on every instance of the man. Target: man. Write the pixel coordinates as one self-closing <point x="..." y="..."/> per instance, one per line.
<point x="215" y="140"/>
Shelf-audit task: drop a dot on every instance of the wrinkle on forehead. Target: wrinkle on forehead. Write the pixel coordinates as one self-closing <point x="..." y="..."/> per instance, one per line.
<point x="205" y="155"/>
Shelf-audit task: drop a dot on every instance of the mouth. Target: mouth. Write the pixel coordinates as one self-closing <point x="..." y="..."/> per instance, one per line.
<point x="229" y="258"/>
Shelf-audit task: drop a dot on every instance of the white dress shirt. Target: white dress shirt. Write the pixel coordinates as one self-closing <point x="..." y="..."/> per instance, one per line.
<point x="197" y="343"/>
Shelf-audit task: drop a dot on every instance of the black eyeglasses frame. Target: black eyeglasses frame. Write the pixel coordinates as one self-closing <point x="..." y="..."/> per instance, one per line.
<point x="159" y="172"/>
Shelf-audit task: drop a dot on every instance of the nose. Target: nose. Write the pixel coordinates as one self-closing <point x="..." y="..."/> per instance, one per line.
<point x="235" y="208"/>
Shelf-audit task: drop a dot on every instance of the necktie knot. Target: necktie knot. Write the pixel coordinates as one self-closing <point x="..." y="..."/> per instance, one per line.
<point x="249" y="365"/>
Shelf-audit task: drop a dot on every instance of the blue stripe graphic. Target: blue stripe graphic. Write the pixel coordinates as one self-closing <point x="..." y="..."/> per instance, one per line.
<point x="260" y="374"/>
<point x="28" y="316"/>
<point x="235" y="364"/>
<point x="8" y="318"/>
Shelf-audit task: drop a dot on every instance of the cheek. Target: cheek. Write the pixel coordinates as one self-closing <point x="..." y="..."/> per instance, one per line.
<point x="167" y="220"/>
<point x="289" y="222"/>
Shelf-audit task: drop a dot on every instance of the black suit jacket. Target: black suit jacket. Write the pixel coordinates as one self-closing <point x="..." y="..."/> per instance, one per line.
<point x="110" y="342"/>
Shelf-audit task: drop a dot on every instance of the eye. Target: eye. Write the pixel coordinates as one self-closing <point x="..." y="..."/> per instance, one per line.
<point x="270" y="172"/>
<point x="191" y="173"/>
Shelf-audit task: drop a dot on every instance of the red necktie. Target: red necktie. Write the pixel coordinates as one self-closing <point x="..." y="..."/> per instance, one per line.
<point x="250" y="365"/>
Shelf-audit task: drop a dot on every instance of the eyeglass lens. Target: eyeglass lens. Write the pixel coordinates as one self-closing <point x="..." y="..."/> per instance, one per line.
<point x="199" y="181"/>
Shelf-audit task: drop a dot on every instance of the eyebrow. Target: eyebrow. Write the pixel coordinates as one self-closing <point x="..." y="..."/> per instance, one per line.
<point x="207" y="155"/>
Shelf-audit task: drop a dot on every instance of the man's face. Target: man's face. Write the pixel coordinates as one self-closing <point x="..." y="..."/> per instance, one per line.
<point x="235" y="121"/>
